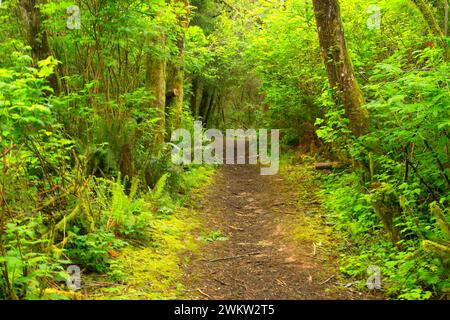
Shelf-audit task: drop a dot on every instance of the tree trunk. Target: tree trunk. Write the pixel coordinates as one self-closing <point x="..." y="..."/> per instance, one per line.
<point x="210" y="107"/>
<point x="198" y="97"/>
<point x="205" y="103"/>
<point x="193" y="97"/>
<point x="338" y="63"/>
<point x="433" y="25"/>
<point x="156" y="84"/>
<point x="37" y="37"/>
<point x="176" y="107"/>
<point x="446" y="18"/>
<point x="428" y="17"/>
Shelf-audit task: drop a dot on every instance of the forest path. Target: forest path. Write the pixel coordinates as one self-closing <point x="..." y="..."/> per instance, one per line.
<point x="259" y="261"/>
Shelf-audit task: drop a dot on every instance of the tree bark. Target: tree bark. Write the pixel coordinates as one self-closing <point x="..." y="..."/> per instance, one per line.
<point x="428" y="17"/>
<point x="338" y="63"/>
<point x="176" y="107"/>
<point x="433" y="25"/>
<point x="156" y="84"/>
<point x="198" y="97"/>
<point x="446" y="18"/>
<point x="36" y="36"/>
<point x="205" y="103"/>
<point x="210" y="107"/>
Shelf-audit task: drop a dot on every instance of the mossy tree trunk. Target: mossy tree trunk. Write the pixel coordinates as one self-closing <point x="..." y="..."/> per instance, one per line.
<point x="446" y="18"/>
<point x="177" y="79"/>
<point x="338" y="63"/>
<point x="427" y="14"/>
<point x="31" y="18"/>
<point x="433" y="25"/>
<point x="156" y="84"/>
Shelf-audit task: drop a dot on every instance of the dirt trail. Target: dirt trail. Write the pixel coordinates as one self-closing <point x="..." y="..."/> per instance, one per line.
<point x="258" y="261"/>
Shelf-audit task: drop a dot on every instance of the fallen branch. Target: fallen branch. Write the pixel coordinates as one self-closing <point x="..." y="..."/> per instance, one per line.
<point x="328" y="280"/>
<point x="221" y="282"/>
<point x="330" y="165"/>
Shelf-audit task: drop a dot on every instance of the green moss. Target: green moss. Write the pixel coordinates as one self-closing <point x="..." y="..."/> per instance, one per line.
<point x="309" y="225"/>
<point x="156" y="272"/>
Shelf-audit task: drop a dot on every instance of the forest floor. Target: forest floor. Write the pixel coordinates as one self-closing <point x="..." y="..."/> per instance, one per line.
<point x="240" y="236"/>
<point x="275" y="243"/>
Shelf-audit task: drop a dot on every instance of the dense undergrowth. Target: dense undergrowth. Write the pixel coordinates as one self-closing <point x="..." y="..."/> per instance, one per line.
<point x="87" y="109"/>
<point x="85" y="172"/>
<point x="59" y="209"/>
<point x="394" y="208"/>
<point x="154" y="270"/>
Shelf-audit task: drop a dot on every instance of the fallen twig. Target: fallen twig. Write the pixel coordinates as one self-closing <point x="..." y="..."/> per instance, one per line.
<point x="281" y="282"/>
<point x="205" y="294"/>
<point x="328" y="280"/>
<point x="235" y="257"/>
<point x="221" y="282"/>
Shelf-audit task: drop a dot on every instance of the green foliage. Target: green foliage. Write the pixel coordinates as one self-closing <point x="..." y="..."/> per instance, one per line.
<point x="333" y="127"/>
<point x="26" y="268"/>
<point x="127" y="215"/>
<point x="393" y="205"/>
<point x="81" y="175"/>
<point x="409" y="269"/>
<point x="92" y="250"/>
<point x="199" y="58"/>
<point x="285" y="54"/>
<point x="24" y="110"/>
<point x="406" y="169"/>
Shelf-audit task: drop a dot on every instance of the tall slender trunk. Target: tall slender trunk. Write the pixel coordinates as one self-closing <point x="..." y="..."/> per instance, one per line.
<point x="427" y="14"/>
<point x="446" y="18"/>
<point x="338" y="63"/>
<point x="156" y="84"/>
<point x="433" y="25"/>
<point x="198" y="97"/>
<point x="176" y="107"/>
<point x="211" y="106"/>
<point x="205" y="103"/>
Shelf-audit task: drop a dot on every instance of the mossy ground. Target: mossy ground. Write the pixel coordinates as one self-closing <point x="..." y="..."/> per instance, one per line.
<point x="158" y="272"/>
<point x="155" y="272"/>
<point x="311" y="228"/>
